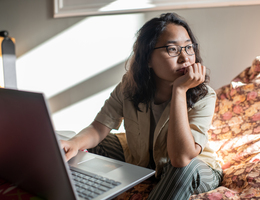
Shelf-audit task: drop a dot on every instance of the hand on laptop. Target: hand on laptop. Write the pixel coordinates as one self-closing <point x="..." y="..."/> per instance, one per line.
<point x="89" y="137"/>
<point x="70" y="148"/>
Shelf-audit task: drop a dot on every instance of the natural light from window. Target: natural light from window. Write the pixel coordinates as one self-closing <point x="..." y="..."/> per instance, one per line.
<point x="84" y="50"/>
<point x="127" y="5"/>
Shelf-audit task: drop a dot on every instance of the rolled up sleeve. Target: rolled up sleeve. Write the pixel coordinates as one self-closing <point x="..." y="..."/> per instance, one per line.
<point x="111" y="114"/>
<point x="200" y="118"/>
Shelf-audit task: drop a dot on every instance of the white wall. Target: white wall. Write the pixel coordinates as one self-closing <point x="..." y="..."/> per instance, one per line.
<point x="75" y="55"/>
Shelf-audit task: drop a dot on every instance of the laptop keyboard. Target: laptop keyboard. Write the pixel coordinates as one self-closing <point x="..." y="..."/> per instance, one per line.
<point x="90" y="186"/>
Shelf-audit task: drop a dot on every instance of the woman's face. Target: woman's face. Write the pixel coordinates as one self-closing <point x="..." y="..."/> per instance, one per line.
<point x="166" y="68"/>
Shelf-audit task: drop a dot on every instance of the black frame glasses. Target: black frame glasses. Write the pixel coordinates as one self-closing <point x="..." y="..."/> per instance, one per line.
<point x="179" y="48"/>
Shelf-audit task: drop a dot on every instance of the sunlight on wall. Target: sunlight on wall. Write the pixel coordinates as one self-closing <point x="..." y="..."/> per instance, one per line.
<point x="78" y="116"/>
<point x="127" y="5"/>
<point x="82" y="51"/>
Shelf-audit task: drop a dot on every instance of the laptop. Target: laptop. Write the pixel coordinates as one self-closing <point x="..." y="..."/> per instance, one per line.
<point x="31" y="156"/>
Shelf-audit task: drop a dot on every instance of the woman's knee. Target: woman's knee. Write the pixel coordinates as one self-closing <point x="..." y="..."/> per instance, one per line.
<point x="194" y="175"/>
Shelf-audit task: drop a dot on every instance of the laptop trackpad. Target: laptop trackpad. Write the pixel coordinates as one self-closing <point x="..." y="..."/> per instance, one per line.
<point x="97" y="165"/>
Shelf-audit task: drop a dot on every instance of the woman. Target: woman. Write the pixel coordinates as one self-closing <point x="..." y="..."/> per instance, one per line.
<point x="167" y="110"/>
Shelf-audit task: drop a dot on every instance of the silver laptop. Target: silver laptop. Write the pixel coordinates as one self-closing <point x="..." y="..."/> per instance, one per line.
<point x="31" y="156"/>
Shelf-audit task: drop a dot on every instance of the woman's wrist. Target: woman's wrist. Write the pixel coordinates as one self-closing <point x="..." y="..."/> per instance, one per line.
<point x="180" y="90"/>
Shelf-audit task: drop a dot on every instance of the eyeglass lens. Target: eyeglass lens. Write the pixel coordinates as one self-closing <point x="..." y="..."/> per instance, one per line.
<point x="175" y="50"/>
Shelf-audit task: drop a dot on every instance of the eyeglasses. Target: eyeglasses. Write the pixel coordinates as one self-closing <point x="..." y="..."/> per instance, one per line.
<point x="175" y="50"/>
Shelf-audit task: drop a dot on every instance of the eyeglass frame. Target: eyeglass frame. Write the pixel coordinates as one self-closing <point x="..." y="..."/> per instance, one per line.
<point x="195" y="45"/>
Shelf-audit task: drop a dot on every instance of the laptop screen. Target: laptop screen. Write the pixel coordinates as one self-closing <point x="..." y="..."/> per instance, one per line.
<point x="30" y="155"/>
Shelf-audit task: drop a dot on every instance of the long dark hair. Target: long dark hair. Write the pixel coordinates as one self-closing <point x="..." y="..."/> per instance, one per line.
<point x="139" y="85"/>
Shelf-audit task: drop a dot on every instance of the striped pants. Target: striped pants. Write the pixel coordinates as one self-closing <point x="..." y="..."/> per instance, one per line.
<point x="175" y="183"/>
